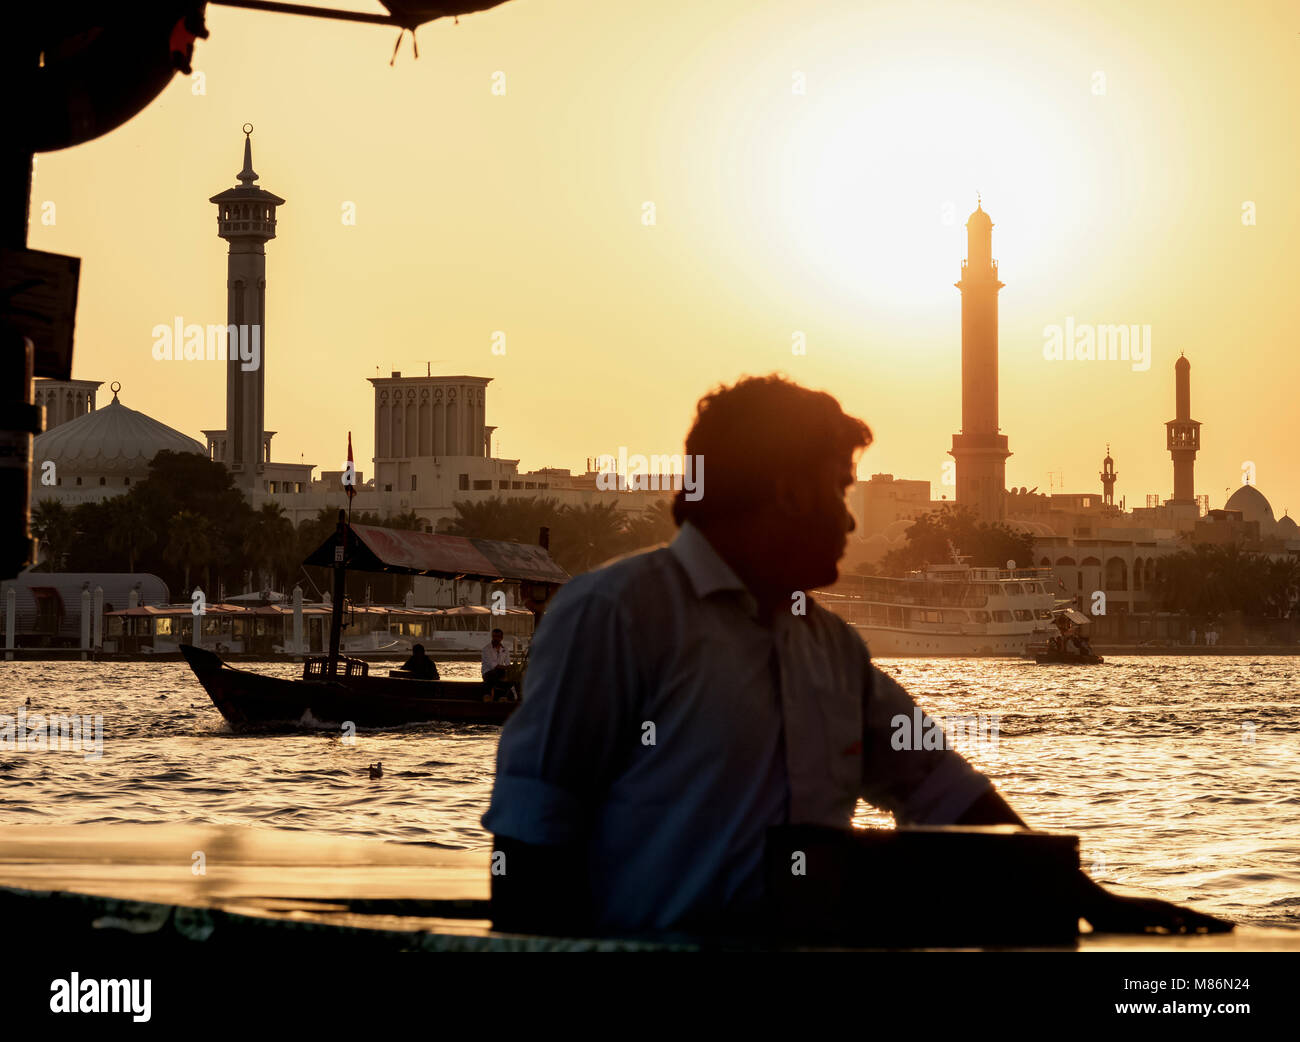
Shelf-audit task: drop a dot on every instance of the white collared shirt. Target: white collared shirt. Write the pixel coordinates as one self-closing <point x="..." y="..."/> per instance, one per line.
<point x="494" y="657"/>
<point x="665" y="728"/>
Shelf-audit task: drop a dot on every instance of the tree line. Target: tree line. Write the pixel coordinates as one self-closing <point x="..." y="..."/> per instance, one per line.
<point x="188" y="523"/>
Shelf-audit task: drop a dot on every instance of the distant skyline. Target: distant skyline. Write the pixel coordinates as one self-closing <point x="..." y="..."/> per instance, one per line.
<point x="810" y="171"/>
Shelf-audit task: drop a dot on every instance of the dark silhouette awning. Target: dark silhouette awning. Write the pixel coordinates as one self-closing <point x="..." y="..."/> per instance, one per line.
<point x="373" y="549"/>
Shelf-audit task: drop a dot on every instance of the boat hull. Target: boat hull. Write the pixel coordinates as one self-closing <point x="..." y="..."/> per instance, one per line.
<point x="1048" y="658"/>
<point x="253" y="701"/>
<point x="892" y="643"/>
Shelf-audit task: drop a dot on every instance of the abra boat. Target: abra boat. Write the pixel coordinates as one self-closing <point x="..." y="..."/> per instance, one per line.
<point x="337" y="689"/>
<point x="1070" y="623"/>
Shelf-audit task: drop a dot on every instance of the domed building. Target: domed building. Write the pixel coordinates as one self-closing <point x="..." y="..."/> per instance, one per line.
<point x="101" y="453"/>
<point x="1254" y="506"/>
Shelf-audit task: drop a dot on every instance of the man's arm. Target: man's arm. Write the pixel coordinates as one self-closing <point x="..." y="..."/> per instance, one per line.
<point x="540" y="889"/>
<point x="557" y="755"/>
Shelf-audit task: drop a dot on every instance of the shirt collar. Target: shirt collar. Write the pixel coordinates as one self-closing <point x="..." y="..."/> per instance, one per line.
<point x="704" y="566"/>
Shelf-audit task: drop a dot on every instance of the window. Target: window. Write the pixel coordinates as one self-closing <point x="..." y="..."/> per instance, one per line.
<point x="483" y="485"/>
<point x="464" y="482"/>
<point x="126" y="481"/>
<point x="103" y="481"/>
<point x="503" y="484"/>
<point x="388" y="488"/>
<point x="78" y="481"/>
<point x="412" y="482"/>
<point x="1002" y="616"/>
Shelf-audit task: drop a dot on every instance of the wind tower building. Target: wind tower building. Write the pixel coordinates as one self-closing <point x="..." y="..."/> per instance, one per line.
<point x="980" y="449"/>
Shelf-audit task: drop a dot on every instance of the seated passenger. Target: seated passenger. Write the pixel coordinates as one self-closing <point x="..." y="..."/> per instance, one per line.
<point x="496" y="669"/>
<point x="420" y="664"/>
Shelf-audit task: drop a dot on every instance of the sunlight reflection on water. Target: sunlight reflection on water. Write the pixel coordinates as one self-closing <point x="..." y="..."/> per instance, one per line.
<point x="1180" y="775"/>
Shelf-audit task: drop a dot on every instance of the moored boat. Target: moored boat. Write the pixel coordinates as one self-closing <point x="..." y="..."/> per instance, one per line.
<point x="949" y="609"/>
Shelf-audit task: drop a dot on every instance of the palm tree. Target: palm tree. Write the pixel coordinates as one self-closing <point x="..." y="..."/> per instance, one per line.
<point x="189" y="542"/>
<point x="128" y="529"/>
<point x="407" y="522"/>
<point x="654" y="525"/>
<point x="269" y="539"/>
<point x="515" y="520"/>
<point x="52" y="525"/>
<point x="588" y="535"/>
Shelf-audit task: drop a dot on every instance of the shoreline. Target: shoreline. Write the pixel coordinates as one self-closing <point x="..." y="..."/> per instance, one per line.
<point x="77" y="655"/>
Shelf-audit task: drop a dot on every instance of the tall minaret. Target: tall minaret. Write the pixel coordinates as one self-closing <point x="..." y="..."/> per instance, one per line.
<point x="1183" y="434"/>
<point x="980" y="451"/>
<point x="1108" y="477"/>
<point x="246" y="220"/>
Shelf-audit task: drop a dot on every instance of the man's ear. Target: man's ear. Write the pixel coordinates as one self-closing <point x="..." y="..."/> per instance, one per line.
<point x="790" y="498"/>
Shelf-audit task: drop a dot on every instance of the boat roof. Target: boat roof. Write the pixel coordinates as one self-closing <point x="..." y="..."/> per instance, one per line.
<point x="374" y="549"/>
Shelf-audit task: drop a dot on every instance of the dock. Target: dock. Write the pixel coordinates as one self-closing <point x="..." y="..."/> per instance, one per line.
<point x="147" y="888"/>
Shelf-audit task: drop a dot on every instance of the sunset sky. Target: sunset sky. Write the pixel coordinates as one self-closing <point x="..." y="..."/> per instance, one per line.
<point x="811" y="167"/>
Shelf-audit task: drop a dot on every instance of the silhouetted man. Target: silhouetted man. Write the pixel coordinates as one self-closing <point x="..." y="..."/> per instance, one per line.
<point x="420" y="664"/>
<point x="682" y="700"/>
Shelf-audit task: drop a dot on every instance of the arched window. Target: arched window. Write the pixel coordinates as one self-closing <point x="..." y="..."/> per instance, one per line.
<point x="1116" y="574"/>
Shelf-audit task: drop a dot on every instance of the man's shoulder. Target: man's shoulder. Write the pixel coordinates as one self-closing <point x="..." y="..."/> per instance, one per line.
<point x="633" y="585"/>
<point x="623" y="575"/>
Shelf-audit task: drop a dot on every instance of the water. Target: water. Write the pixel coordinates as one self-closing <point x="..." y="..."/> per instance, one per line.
<point x="1180" y="775"/>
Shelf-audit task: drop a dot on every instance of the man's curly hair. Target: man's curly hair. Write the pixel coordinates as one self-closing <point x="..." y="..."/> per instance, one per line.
<point x="762" y="428"/>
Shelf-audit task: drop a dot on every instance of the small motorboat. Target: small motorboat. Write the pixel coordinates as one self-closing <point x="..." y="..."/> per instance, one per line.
<point x="1070" y="647"/>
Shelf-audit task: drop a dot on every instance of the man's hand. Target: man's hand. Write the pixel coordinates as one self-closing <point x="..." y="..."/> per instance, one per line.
<point x="1114" y="913"/>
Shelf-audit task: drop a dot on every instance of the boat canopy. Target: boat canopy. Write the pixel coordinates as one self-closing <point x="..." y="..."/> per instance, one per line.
<point x="374" y="549"/>
<point x="1078" y="618"/>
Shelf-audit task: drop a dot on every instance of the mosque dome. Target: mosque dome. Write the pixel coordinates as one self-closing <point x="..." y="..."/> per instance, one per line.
<point x="1253" y="506"/>
<point x="113" y="440"/>
<point x="1287" y="528"/>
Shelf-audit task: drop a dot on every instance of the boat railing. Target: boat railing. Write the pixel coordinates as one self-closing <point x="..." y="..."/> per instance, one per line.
<point x="318" y="667"/>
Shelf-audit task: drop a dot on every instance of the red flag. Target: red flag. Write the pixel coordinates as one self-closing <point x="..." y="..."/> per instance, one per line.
<point x="350" y="475"/>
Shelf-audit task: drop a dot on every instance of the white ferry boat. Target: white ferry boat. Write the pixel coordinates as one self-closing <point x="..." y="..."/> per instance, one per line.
<point x="948" y="609"/>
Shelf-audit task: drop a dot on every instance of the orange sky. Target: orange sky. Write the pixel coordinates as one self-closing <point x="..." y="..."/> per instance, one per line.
<point x="836" y="212"/>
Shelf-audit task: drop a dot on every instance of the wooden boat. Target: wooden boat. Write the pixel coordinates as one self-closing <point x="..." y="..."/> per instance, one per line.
<point x="336" y="689"/>
<point x="1073" y="627"/>
<point x="252" y="701"/>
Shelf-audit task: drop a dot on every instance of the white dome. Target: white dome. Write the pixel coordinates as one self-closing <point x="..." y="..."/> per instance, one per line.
<point x="111" y="440"/>
<point x="1254" y="506"/>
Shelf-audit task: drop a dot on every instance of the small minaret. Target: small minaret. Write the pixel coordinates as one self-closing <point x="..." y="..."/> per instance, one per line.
<point x="1108" y="477"/>
<point x="246" y="220"/>
<point x="980" y="450"/>
<point x="1183" y="434"/>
